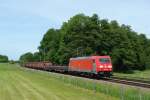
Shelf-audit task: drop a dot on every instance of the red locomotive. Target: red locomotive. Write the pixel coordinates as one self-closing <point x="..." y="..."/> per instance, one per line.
<point x="98" y="65"/>
<point x="95" y="65"/>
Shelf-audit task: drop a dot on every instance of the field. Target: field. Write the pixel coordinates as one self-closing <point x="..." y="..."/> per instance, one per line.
<point x="19" y="84"/>
<point x="145" y="75"/>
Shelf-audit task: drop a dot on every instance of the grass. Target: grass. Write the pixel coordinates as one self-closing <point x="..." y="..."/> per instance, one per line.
<point x="20" y="84"/>
<point x="145" y="75"/>
<point x="122" y="92"/>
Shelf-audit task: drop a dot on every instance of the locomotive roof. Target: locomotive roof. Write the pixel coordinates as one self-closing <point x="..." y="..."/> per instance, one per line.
<point x="88" y="57"/>
<point x="81" y="57"/>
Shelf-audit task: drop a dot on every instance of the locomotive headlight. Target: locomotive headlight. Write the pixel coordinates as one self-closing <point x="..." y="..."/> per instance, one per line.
<point x="109" y="66"/>
<point x="100" y="66"/>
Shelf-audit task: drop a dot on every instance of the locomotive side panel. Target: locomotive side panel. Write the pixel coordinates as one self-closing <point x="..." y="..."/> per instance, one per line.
<point x="99" y="65"/>
<point x="81" y="65"/>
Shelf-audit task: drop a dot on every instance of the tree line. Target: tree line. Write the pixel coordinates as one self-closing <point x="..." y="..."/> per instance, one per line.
<point x="85" y="35"/>
<point x="3" y="59"/>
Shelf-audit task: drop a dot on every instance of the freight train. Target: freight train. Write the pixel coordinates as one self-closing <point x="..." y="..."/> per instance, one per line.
<point x="93" y="65"/>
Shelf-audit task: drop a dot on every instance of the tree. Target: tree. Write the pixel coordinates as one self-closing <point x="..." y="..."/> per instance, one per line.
<point x="3" y="59"/>
<point x="80" y="35"/>
<point x="85" y="35"/>
<point x="49" y="45"/>
<point x="27" y="57"/>
<point x="37" y="56"/>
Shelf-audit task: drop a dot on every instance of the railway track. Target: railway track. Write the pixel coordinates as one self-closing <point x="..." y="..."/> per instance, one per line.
<point x="126" y="81"/>
<point x="116" y="80"/>
<point x="129" y="82"/>
<point x="143" y="80"/>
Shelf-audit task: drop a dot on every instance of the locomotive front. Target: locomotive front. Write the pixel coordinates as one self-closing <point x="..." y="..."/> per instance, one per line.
<point x="103" y="65"/>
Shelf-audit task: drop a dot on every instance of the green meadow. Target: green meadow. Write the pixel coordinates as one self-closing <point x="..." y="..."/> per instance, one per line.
<point x="20" y="84"/>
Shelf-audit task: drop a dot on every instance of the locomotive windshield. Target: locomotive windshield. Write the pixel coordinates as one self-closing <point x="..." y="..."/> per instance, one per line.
<point x="104" y="60"/>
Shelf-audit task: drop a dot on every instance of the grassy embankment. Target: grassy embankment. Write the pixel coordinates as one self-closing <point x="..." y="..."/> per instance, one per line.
<point x="20" y="84"/>
<point x="143" y="75"/>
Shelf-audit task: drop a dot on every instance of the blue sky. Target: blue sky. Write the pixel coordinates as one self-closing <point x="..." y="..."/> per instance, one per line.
<point x="24" y="22"/>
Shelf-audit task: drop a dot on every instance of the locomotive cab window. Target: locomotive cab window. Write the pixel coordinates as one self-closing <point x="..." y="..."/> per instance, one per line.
<point x="104" y="60"/>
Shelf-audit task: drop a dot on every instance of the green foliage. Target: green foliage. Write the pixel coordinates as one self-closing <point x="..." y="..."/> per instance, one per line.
<point x="50" y="45"/>
<point x="29" y="57"/>
<point x="3" y="59"/>
<point x="12" y="62"/>
<point x="36" y="57"/>
<point x="85" y="36"/>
